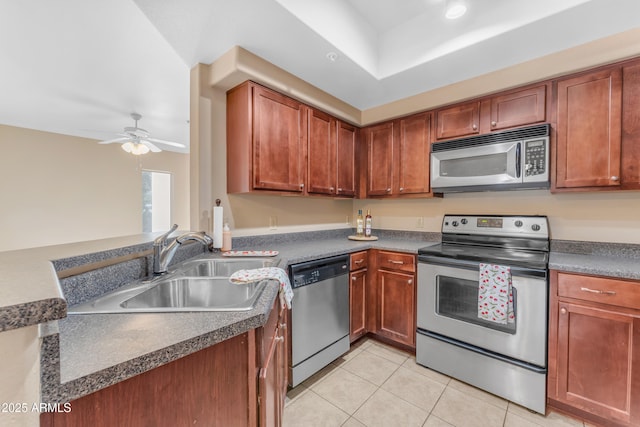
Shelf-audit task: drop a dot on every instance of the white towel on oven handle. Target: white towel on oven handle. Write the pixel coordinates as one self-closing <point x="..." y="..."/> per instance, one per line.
<point x="495" y="294"/>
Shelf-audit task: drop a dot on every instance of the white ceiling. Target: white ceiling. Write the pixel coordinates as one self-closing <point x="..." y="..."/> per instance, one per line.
<point x="80" y="67"/>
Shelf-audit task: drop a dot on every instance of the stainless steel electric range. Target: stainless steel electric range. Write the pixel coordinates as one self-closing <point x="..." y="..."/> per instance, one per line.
<point x="482" y="305"/>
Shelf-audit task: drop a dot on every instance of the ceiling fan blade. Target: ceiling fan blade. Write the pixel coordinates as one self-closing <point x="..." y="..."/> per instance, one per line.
<point x="110" y="141"/>
<point x="152" y="147"/>
<point x="170" y="143"/>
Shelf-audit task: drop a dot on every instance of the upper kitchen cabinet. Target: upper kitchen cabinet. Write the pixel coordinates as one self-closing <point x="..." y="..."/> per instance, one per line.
<point x="505" y="110"/>
<point x="398" y="157"/>
<point x="459" y="120"/>
<point x="589" y="121"/>
<point x="331" y="148"/>
<point x="266" y="137"/>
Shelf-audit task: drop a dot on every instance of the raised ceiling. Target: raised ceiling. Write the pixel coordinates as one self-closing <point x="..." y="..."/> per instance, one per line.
<point x="81" y="67"/>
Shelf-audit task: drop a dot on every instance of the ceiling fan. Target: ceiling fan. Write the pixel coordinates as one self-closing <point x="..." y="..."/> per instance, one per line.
<point x="137" y="141"/>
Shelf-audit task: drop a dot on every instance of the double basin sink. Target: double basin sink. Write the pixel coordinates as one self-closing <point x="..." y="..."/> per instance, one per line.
<point x="195" y="285"/>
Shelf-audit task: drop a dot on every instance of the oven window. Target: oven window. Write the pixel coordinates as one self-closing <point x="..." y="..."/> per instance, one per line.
<point x="490" y="164"/>
<point x="458" y="299"/>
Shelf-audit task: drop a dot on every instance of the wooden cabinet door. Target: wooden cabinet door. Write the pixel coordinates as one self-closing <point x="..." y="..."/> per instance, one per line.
<point x="631" y="126"/>
<point x="396" y="299"/>
<point x="357" y="304"/>
<point x="598" y="366"/>
<point x="321" y="135"/>
<point x="346" y="161"/>
<point x="380" y="159"/>
<point x="278" y="147"/>
<point x="518" y="108"/>
<point x="459" y="120"/>
<point x="414" y="146"/>
<point x="589" y="129"/>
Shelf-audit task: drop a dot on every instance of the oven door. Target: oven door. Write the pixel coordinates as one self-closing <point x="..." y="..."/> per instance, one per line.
<point x="448" y="305"/>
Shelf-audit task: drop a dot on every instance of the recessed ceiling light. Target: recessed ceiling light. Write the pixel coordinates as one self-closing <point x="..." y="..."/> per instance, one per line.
<point x="455" y="9"/>
<point x="332" y="56"/>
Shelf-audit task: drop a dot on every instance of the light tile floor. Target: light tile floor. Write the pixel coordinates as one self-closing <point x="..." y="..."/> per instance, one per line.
<point x="377" y="385"/>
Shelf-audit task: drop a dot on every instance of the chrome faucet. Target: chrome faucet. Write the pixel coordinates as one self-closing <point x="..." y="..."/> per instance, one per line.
<point x="163" y="253"/>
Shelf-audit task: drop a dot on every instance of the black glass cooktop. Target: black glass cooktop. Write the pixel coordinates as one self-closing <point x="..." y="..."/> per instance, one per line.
<point x="492" y="255"/>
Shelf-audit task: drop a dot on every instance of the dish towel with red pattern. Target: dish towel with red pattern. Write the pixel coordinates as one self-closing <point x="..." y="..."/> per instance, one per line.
<point x="495" y="294"/>
<point x="266" y="273"/>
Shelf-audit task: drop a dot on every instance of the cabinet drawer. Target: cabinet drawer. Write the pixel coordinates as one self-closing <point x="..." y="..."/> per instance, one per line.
<point x="358" y="260"/>
<point x="622" y="293"/>
<point x="397" y="261"/>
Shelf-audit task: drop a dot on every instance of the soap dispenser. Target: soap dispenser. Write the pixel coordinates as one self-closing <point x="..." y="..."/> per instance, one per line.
<point x="226" y="238"/>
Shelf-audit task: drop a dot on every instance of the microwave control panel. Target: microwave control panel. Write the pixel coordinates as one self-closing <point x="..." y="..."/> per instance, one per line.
<point x="535" y="157"/>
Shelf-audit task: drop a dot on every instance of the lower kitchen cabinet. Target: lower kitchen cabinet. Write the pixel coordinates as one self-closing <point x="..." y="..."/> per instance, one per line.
<point x="238" y="382"/>
<point x="396" y="295"/>
<point x="358" y="295"/>
<point x="594" y="348"/>
<point x="272" y="379"/>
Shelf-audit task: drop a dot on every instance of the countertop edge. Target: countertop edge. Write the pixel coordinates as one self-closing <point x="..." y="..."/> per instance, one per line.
<point x="32" y="313"/>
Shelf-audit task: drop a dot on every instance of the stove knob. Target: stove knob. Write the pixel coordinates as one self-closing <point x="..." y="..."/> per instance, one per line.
<point x="518" y="223"/>
<point x="454" y="223"/>
<point x="463" y="221"/>
<point x="535" y="227"/>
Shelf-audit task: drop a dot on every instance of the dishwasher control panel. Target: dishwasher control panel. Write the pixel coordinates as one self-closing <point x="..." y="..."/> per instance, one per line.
<point x="320" y="270"/>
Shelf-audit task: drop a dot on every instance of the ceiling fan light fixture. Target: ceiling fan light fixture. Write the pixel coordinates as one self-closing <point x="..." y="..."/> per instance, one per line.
<point x="455" y="9"/>
<point x="135" y="148"/>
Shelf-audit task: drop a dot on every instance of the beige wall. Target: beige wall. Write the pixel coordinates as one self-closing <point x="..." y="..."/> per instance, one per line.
<point x="20" y="373"/>
<point x="60" y="189"/>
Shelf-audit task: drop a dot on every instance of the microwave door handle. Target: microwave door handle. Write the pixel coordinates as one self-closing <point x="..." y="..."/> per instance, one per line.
<point x="518" y="159"/>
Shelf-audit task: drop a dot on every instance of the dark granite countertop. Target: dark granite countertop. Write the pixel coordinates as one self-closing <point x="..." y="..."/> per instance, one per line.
<point x="600" y="259"/>
<point x="93" y="351"/>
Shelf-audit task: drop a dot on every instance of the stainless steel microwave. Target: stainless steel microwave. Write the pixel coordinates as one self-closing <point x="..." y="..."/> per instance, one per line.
<point x="509" y="160"/>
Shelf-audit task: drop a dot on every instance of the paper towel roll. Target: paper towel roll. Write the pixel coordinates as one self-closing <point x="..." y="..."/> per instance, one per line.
<point x="217" y="226"/>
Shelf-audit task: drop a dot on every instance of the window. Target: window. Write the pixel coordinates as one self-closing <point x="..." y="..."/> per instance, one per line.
<point x="156" y="201"/>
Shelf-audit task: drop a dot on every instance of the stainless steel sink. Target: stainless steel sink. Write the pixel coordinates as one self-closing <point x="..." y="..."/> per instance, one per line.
<point x="223" y="267"/>
<point x="195" y="285"/>
<point x="197" y="293"/>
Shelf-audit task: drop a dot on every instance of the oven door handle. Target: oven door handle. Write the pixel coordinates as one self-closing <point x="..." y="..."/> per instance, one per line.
<point x="473" y="265"/>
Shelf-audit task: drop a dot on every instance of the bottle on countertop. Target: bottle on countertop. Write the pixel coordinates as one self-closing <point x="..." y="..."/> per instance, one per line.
<point x="367" y="224"/>
<point x="359" y="224"/>
<point x="226" y="238"/>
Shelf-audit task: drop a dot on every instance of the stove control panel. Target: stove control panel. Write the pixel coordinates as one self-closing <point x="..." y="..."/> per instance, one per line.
<point x="497" y="225"/>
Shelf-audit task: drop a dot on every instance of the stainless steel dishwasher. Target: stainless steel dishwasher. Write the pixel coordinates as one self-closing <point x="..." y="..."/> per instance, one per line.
<point x="319" y="315"/>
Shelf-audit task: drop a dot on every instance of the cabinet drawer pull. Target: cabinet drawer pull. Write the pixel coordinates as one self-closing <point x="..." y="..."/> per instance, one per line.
<point x="393" y="261"/>
<point x="598" y="291"/>
<point x="359" y="261"/>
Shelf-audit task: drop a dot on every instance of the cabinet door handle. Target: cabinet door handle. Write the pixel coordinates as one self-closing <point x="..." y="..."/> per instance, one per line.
<point x="283" y="326"/>
<point x="410" y="282"/>
<point x="301" y="186"/>
<point x="615" y="178"/>
<point x="354" y="278"/>
<point x="339" y="190"/>
<point x="401" y="188"/>
<point x="388" y="190"/>
<point x="563" y="310"/>
<point x="393" y="261"/>
<point x="598" y="291"/>
<point x="494" y="124"/>
<point x="279" y="339"/>
<point x="474" y="127"/>
<point x="331" y="189"/>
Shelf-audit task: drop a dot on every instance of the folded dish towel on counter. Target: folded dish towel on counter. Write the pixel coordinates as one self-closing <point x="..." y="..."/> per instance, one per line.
<point x="275" y="273"/>
<point x="495" y="294"/>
